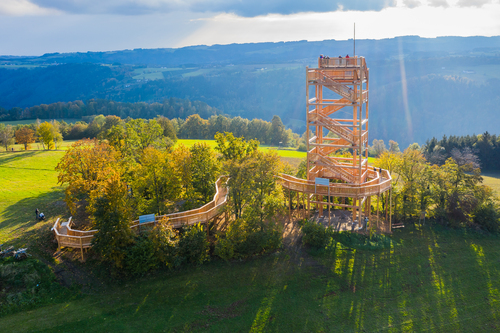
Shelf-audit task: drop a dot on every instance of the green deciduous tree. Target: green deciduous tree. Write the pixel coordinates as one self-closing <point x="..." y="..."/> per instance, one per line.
<point x="205" y="168"/>
<point x="111" y="217"/>
<point x="6" y="135"/>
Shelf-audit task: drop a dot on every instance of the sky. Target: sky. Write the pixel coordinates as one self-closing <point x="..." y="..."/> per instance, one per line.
<point x="35" y="27"/>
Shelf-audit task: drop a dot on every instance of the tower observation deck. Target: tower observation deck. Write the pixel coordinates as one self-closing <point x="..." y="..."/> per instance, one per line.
<point x="337" y="114"/>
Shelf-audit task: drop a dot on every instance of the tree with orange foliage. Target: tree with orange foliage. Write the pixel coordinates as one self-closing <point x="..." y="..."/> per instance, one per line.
<point x="25" y="136"/>
<point x="86" y="167"/>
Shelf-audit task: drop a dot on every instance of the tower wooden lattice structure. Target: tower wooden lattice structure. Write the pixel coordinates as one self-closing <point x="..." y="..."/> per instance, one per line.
<point x="337" y="132"/>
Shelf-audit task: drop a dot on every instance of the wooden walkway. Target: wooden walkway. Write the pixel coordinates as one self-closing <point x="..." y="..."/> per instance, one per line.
<point x="68" y="237"/>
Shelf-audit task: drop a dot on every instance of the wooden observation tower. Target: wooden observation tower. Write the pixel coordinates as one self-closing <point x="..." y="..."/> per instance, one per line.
<point x="337" y="122"/>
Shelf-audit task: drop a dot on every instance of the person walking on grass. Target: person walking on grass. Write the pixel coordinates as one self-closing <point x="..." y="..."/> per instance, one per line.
<point x="37" y="212"/>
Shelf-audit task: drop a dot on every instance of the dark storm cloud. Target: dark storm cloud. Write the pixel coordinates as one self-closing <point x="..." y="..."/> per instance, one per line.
<point x="246" y="8"/>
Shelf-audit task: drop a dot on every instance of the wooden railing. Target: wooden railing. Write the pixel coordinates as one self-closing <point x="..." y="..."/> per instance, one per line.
<point x="67" y="237"/>
<point x="194" y="216"/>
<point x="378" y="184"/>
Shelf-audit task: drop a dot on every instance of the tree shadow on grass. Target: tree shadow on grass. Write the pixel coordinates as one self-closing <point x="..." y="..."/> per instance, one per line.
<point x="13" y="157"/>
<point x="20" y="216"/>
<point x="437" y="280"/>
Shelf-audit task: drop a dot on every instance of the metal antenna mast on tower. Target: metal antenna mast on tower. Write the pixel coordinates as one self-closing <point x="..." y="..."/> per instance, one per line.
<point x="354" y="39"/>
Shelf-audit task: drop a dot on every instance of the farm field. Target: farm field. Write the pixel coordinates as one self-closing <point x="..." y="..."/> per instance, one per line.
<point x="492" y="179"/>
<point x="32" y="121"/>
<point x="284" y="152"/>
<point x="37" y="146"/>
<point x="431" y="279"/>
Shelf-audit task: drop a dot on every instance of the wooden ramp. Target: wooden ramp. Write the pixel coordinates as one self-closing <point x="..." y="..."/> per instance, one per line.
<point x="68" y="237"/>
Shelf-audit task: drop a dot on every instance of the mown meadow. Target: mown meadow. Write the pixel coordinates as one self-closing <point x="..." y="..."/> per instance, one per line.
<point x="432" y="278"/>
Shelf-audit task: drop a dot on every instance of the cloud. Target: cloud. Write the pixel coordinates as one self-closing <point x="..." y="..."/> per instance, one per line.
<point x="22" y="7"/>
<point x="472" y="3"/>
<point x="439" y="3"/>
<point x="411" y="3"/>
<point x="245" y="8"/>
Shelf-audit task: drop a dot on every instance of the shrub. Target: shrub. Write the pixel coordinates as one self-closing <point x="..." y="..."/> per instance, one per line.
<point x="243" y="239"/>
<point x="141" y="256"/>
<point x="164" y="240"/>
<point x="25" y="283"/>
<point x="302" y="147"/>
<point x="193" y="246"/>
<point x="487" y="216"/>
<point x="315" y="234"/>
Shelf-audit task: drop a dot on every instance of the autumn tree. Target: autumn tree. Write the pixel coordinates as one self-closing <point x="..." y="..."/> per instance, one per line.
<point x="46" y="134"/>
<point x="85" y="167"/>
<point x="6" y="135"/>
<point x="393" y="146"/>
<point x="25" y="136"/>
<point x="378" y="147"/>
<point x="56" y="133"/>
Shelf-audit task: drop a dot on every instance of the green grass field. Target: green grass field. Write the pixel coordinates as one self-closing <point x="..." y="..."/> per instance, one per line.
<point x="29" y="181"/>
<point x="32" y="121"/>
<point x="284" y="152"/>
<point x="433" y="279"/>
<point x="37" y="146"/>
<point x="492" y="179"/>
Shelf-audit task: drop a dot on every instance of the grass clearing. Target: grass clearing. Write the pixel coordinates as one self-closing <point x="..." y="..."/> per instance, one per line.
<point x="32" y="121"/>
<point x="492" y="179"/>
<point x="28" y="181"/>
<point x="433" y="279"/>
<point x="37" y="146"/>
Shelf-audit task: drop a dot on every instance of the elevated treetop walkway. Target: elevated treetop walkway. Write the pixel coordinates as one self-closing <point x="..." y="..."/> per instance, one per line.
<point x="68" y="237"/>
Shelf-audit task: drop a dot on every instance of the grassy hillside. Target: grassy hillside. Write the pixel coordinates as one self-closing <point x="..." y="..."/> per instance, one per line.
<point x="434" y="280"/>
<point x="431" y="279"/>
<point x="492" y="179"/>
<point x="29" y="181"/>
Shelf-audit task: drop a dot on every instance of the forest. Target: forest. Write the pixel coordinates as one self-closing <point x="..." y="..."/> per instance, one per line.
<point x="414" y="95"/>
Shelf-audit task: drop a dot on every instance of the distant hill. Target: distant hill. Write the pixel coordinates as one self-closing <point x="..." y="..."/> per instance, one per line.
<point x="419" y="87"/>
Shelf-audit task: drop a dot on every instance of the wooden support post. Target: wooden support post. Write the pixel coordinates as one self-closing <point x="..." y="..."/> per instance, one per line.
<point x="354" y="200"/>
<point x="81" y="248"/>
<point x="378" y="206"/>
<point x="390" y="207"/>
<point x="308" y="205"/>
<point x="289" y="205"/>
<point x="368" y="210"/>
<point x="329" y="216"/>
<point x="360" y="221"/>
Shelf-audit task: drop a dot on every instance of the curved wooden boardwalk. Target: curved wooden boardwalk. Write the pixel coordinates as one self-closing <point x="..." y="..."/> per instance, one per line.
<point x="379" y="183"/>
<point x="68" y="237"/>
